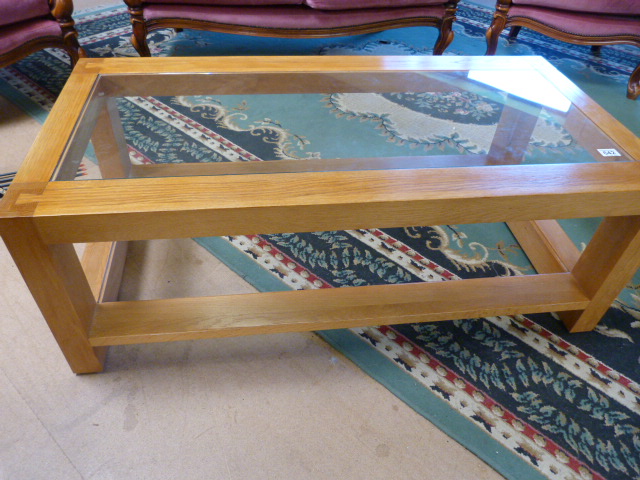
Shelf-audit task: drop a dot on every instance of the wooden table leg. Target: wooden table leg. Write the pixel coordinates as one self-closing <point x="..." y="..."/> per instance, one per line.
<point x="57" y="282"/>
<point x="604" y="268"/>
<point x="512" y="137"/>
<point x="109" y="142"/>
<point x="103" y="264"/>
<point x="546" y="244"/>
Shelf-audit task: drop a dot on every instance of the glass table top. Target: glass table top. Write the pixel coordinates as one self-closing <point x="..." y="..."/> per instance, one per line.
<point x="225" y="124"/>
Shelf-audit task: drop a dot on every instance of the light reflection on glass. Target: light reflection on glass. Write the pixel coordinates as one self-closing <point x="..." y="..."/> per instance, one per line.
<point x="529" y="85"/>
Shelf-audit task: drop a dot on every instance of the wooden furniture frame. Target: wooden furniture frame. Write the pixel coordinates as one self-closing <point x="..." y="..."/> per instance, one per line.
<point x="142" y="26"/>
<point x="40" y="219"/>
<point x="61" y="11"/>
<point x="502" y="19"/>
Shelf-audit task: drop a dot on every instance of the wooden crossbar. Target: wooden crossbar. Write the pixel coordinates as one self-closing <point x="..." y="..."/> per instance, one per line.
<point x="118" y="323"/>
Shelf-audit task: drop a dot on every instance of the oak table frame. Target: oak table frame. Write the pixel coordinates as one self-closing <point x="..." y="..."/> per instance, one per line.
<point x="40" y="219"/>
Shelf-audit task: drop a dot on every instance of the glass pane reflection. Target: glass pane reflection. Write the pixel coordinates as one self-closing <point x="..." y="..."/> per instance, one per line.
<point x="326" y="122"/>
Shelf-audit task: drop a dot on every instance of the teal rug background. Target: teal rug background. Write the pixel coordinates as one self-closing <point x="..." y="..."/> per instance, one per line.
<point x="613" y="452"/>
<point x="603" y="77"/>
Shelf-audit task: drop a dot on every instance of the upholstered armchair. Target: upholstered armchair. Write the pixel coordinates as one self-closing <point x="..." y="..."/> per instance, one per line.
<point x="27" y="26"/>
<point x="582" y="22"/>
<point x="291" y="18"/>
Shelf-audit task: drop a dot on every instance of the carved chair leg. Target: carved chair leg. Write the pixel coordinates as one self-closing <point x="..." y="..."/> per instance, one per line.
<point x="513" y="33"/>
<point x="72" y="47"/>
<point x="445" y="35"/>
<point x="62" y="11"/>
<point x="493" y="33"/>
<point x="139" y="37"/>
<point x="633" y="90"/>
<point x="139" y="27"/>
<point x="498" y="24"/>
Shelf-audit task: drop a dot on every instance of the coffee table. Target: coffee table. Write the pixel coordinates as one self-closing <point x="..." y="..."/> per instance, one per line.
<point x="46" y="211"/>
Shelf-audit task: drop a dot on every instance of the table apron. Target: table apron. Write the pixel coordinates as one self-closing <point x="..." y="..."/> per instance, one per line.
<point x="121" y="226"/>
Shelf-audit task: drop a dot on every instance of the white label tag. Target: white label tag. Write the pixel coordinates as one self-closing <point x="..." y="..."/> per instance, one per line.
<point x="609" y="152"/>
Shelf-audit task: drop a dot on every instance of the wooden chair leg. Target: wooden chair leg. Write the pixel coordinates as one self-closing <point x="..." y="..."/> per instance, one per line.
<point x="73" y="48"/>
<point x="513" y="33"/>
<point x="445" y="36"/>
<point x="493" y="33"/>
<point x="62" y="11"/>
<point x="444" y="39"/>
<point x="633" y="90"/>
<point x="139" y="27"/>
<point x="498" y="24"/>
<point x="139" y="37"/>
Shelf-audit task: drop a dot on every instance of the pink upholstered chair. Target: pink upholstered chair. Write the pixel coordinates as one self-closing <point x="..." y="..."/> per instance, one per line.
<point x="291" y="18"/>
<point x="583" y="22"/>
<point x="27" y="26"/>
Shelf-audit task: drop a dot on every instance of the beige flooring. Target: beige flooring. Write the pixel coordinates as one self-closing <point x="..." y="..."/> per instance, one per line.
<point x="269" y="407"/>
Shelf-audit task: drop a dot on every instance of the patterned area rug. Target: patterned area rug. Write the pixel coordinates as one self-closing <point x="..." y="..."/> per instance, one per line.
<point x="528" y="398"/>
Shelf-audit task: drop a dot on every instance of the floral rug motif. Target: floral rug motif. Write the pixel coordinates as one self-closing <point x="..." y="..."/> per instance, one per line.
<point x="528" y="398"/>
<point x="324" y="126"/>
<point x="461" y="107"/>
<point x="465" y="121"/>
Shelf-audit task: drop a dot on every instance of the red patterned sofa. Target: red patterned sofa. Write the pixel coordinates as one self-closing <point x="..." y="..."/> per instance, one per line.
<point x="291" y="18"/>
<point x="583" y="22"/>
